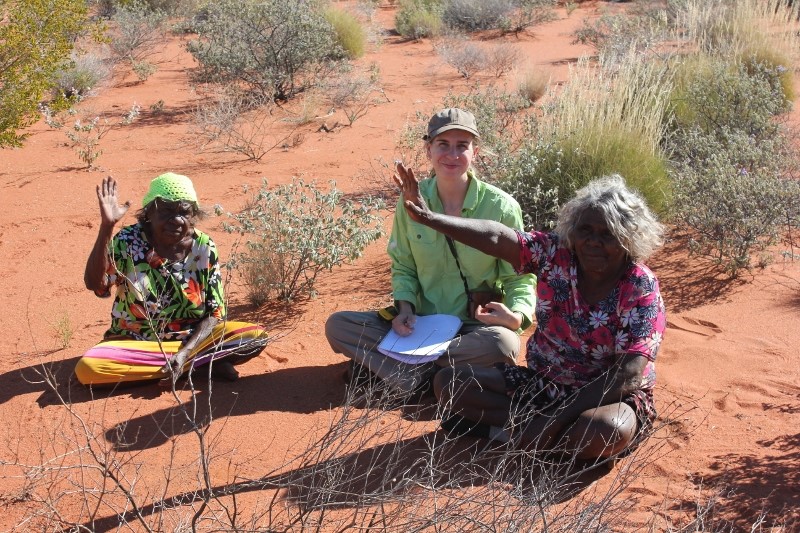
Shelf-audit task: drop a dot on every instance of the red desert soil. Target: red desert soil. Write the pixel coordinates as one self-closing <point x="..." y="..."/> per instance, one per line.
<point x="730" y="349"/>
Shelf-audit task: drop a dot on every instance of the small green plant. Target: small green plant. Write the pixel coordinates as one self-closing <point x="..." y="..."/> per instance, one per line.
<point x="297" y="231"/>
<point x="88" y="129"/>
<point x="63" y="329"/>
<point x="349" y="34"/>
<point x="143" y="69"/>
<point x="570" y="7"/>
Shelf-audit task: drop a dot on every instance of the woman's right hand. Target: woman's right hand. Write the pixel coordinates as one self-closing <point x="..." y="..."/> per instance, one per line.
<point x="403" y="323"/>
<point x="111" y="211"/>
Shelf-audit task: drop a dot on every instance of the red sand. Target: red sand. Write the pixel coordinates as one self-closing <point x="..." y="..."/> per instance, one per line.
<point x="728" y="350"/>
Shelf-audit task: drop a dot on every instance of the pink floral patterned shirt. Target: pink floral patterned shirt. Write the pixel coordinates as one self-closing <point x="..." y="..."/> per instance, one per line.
<point x="574" y="342"/>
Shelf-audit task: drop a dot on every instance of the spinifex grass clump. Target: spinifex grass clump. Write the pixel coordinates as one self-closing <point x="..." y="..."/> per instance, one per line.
<point x="608" y="119"/>
<point x="296" y="231"/>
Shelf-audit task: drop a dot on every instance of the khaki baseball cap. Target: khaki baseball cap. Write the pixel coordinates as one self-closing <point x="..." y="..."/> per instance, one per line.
<point x="451" y="118"/>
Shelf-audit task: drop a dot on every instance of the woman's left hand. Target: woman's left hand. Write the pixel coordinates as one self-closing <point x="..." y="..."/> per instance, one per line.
<point x="497" y="314"/>
<point x="174" y="368"/>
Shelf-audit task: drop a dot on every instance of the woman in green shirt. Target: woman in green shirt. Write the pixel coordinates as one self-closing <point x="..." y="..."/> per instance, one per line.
<point x="430" y="275"/>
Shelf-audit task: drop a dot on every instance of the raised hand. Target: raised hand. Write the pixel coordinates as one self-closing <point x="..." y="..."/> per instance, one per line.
<point x="111" y="211"/>
<point x="409" y="185"/>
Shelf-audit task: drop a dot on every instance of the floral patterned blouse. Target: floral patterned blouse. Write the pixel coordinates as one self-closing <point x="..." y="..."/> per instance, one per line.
<point x="159" y="299"/>
<point x="575" y="342"/>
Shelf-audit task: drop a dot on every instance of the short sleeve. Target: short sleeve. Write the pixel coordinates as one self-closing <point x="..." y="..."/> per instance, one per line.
<point x="642" y="315"/>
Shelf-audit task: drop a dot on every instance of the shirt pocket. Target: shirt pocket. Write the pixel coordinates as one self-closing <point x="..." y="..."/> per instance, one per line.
<point x="422" y="235"/>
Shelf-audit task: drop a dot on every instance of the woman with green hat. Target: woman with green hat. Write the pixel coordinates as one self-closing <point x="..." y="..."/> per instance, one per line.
<point x="168" y="315"/>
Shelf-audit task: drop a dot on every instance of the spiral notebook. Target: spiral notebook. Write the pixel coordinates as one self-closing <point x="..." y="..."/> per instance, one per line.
<point x="430" y="339"/>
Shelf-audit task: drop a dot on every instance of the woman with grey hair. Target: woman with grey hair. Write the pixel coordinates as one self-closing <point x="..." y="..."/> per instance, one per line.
<point x="588" y="386"/>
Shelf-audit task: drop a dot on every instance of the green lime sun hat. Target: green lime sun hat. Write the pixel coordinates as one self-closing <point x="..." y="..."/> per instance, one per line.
<point x="171" y="187"/>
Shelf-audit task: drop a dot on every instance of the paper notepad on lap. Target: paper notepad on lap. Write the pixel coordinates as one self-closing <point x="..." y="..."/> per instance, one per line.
<point x="430" y="339"/>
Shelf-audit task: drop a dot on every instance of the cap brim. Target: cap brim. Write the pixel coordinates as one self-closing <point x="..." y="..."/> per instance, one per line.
<point x="449" y="127"/>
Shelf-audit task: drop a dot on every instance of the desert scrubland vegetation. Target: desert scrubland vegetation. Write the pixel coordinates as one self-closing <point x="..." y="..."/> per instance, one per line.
<point x="685" y="98"/>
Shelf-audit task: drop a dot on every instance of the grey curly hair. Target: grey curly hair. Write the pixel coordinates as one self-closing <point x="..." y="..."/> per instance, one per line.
<point x="626" y="213"/>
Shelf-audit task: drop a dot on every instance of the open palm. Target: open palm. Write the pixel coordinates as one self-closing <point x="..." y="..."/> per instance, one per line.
<point x="111" y="211"/>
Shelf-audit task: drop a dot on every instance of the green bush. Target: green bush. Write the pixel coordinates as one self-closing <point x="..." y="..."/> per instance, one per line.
<point x="349" y="33"/>
<point x="529" y="13"/>
<point x="36" y="38"/>
<point x="296" y="231"/>
<point x="277" y="48"/>
<point x="416" y="19"/>
<point x="729" y="154"/>
<point x="711" y="93"/>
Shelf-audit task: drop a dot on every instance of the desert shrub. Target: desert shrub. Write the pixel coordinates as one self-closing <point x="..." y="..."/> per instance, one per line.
<point x="83" y="73"/>
<point x="732" y="214"/>
<point x="243" y="123"/>
<point x="143" y="69"/>
<point x="712" y="93"/>
<point x="138" y="32"/>
<point x="349" y="33"/>
<point x="277" y="48"/>
<point x="729" y="154"/>
<point x="614" y="36"/>
<point x="546" y="173"/>
<point x="297" y="231"/>
<point x="502" y="58"/>
<point x="416" y="19"/>
<point x="524" y="181"/>
<point x="351" y="92"/>
<point x="467" y="57"/>
<point x="528" y="13"/>
<point x="468" y="15"/>
<point x="36" y="39"/>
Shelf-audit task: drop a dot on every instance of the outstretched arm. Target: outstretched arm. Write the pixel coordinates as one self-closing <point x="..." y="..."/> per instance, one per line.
<point x="490" y="237"/>
<point x="110" y="213"/>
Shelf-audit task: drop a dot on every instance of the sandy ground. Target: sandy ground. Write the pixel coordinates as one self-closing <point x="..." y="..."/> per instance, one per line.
<point x="729" y="384"/>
